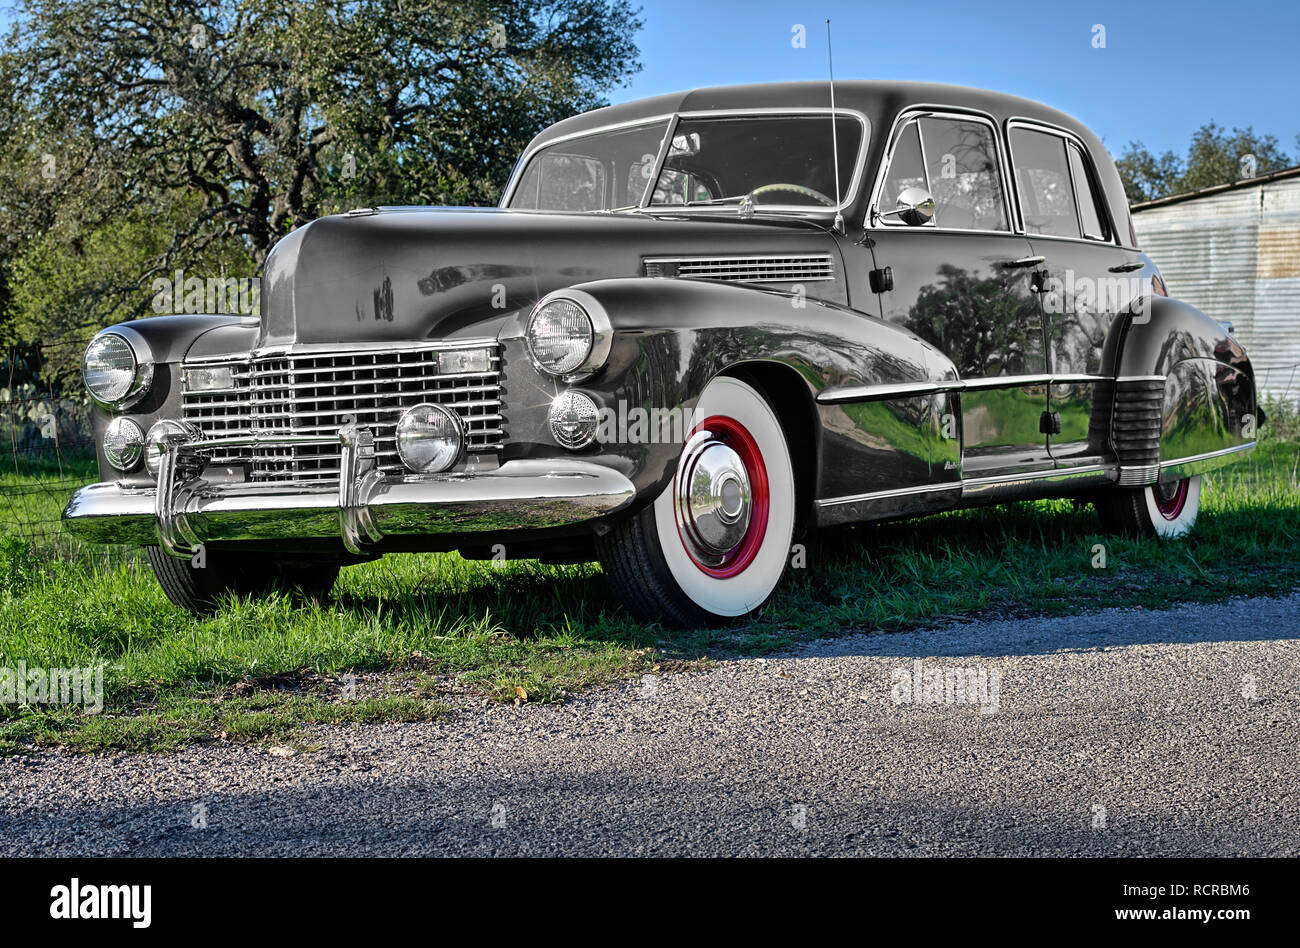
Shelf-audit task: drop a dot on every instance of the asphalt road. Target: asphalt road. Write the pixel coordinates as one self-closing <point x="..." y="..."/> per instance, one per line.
<point x="1124" y="732"/>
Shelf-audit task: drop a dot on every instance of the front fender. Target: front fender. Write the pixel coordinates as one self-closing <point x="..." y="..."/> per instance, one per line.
<point x="1208" y="410"/>
<point x="671" y="337"/>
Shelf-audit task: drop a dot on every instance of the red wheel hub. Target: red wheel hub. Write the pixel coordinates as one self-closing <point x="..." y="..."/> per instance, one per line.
<point x="721" y="498"/>
<point x="1171" y="498"/>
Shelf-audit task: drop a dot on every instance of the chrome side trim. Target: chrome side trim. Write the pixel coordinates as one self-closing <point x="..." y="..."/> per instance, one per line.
<point x="1007" y="381"/>
<point x="863" y="393"/>
<point x="1055" y="473"/>
<point x="967" y="483"/>
<point x="1208" y="456"/>
<point x="1141" y="378"/>
<point x="887" y="494"/>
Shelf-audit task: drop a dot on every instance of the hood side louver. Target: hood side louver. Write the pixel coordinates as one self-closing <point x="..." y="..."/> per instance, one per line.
<point x="758" y="268"/>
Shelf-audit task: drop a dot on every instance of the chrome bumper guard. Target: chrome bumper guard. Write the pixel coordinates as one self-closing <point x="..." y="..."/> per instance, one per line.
<point x="185" y="511"/>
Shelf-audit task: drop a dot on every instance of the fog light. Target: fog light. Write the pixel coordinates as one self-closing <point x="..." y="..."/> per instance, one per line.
<point x="574" y="420"/>
<point x="209" y="378"/>
<point x="429" y="438"/>
<point x="123" y="443"/>
<point x="161" y="431"/>
<point x="464" y="361"/>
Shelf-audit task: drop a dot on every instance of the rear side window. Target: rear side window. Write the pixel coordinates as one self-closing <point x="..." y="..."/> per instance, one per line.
<point x="955" y="160"/>
<point x="1085" y="189"/>
<point x="1058" y="197"/>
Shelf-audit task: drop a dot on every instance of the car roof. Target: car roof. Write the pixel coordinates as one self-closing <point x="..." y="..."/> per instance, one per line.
<point x="879" y="100"/>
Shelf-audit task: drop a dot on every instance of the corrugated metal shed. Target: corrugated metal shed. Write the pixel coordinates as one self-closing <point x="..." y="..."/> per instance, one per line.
<point x="1233" y="251"/>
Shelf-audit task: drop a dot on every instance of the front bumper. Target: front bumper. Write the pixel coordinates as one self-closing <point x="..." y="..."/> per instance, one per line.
<point x="184" y="512"/>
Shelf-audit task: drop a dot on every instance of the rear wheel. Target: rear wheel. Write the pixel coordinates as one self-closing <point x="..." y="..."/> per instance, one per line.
<point x="715" y="543"/>
<point x="199" y="585"/>
<point x="1165" y="510"/>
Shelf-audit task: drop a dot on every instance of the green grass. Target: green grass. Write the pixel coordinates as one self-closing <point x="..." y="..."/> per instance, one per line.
<point x="428" y="633"/>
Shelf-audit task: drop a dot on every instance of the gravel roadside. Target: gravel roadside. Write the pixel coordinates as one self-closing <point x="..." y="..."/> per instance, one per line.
<point x="1124" y="732"/>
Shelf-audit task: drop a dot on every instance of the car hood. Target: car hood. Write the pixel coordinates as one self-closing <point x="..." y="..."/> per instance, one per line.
<point x="435" y="273"/>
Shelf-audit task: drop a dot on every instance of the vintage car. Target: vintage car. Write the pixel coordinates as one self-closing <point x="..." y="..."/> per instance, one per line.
<point x="696" y="326"/>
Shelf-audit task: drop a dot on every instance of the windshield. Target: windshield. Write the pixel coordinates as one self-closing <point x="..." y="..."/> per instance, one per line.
<point x="598" y="172"/>
<point x="774" y="160"/>
<point x="778" y="160"/>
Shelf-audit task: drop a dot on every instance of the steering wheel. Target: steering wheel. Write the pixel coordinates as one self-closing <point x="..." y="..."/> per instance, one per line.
<point x="796" y="188"/>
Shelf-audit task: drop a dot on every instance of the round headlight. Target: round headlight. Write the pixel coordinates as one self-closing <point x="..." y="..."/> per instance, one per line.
<point x="164" y="430"/>
<point x="559" y="336"/>
<point x="123" y="443"/>
<point x="574" y="420"/>
<point x="429" y="438"/>
<point x="111" y="372"/>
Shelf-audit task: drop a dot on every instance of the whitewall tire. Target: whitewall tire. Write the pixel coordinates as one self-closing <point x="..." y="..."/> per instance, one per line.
<point x="1167" y="511"/>
<point x="715" y="543"/>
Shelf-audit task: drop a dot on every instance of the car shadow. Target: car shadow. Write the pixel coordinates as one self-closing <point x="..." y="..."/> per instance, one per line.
<point x="542" y="810"/>
<point x="529" y="599"/>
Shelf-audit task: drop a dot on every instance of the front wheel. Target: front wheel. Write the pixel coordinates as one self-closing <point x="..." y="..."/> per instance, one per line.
<point x="1159" y="510"/>
<point x="715" y="543"/>
<point x="199" y="585"/>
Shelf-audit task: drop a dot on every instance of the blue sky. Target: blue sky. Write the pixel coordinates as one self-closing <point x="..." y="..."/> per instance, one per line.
<point x="1167" y="68"/>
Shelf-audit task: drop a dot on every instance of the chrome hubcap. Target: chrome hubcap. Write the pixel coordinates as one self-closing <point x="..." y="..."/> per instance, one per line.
<point x="713" y="497"/>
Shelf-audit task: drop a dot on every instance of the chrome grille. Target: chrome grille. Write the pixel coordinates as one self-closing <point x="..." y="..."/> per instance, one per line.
<point x="802" y="268"/>
<point x="316" y="393"/>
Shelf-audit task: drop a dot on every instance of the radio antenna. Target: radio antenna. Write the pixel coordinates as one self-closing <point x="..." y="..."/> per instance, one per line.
<point x="835" y="138"/>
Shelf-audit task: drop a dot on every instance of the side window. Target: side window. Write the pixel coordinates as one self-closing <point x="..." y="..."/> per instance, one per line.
<point x="962" y="165"/>
<point x="563" y="183"/>
<point x="906" y="167"/>
<point x="1042" y="168"/>
<point x="1094" y="224"/>
<point x="956" y="161"/>
<point x="680" y="187"/>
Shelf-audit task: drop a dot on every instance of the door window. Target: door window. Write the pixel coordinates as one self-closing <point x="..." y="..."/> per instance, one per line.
<point x="955" y="160"/>
<point x="1043" y="183"/>
<point x="1058" y="196"/>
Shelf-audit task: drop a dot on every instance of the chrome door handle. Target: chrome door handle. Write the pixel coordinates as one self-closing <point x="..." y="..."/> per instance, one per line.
<point x="1127" y="267"/>
<point x="1023" y="262"/>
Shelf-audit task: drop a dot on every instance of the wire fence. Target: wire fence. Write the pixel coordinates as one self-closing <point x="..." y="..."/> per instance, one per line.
<point x="47" y="447"/>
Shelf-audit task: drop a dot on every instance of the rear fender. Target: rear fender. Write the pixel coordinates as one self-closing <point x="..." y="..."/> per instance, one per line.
<point x="1207" y="410"/>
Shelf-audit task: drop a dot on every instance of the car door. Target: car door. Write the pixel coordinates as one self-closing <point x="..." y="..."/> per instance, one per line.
<point x="1088" y="280"/>
<point x="962" y="282"/>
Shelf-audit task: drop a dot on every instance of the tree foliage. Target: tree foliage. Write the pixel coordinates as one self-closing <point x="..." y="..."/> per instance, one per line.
<point x="180" y="133"/>
<point x="1214" y="157"/>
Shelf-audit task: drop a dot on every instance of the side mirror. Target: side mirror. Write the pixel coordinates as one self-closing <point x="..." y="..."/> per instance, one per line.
<point x="915" y="207"/>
